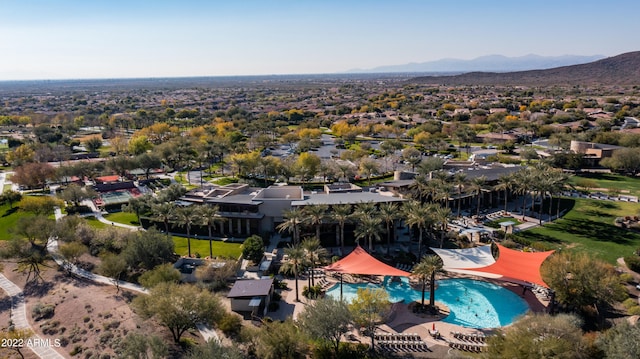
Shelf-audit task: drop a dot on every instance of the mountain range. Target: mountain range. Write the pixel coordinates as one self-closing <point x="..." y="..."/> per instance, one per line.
<point x="492" y="63"/>
<point x="622" y="69"/>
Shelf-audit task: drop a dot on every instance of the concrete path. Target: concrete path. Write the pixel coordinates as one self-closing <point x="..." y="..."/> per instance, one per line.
<point x="40" y="347"/>
<point x="206" y="332"/>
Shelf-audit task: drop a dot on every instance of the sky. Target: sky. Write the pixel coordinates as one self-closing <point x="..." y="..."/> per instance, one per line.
<point x="76" y="39"/>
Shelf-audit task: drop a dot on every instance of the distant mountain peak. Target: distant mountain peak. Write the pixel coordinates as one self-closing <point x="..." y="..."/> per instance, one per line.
<point x="489" y="63"/>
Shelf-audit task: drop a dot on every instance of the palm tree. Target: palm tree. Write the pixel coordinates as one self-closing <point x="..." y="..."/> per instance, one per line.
<point x="296" y="258"/>
<point x="209" y="217"/>
<point x="314" y="215"/>
<point x="363" y="209"/>
<point x="476" y="186"/>
<point x="186" y="217"/>
<point x="315" y="252"/>
<point x="441" y="216"/>
<point x="523" y="185"/>
<point x="293" y="219"/>
<point x="459" y="181"/>
<point x="163" y="212"/>
<point x="368" y="228"/>
<point x="506" y="184"/>
<point x="341" y="213"/>
<point x="417" y="214"/>
<point x="425" y="270"/>
<point x="388" y="214"/>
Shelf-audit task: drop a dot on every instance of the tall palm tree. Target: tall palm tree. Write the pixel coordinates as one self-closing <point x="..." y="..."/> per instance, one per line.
<point x="425" y="270"/>
<point x="441" y="216"/>
<point x="186" y="217"/>
<point x="476" y="186"/>
<point x="209" y="217"/>
<point x="523" y="185"/>
<point x="388" y="214"/>
<point x="368" y="228"/>
<point x="314" y="215"/>
<point x="459" y="181"/>
<point x="506" y="184"/>
<point x="163" y="212"/>
<point x="364" y="209"/>
<point x="417" y="214"/>
<point x="293" y="220"/>
<point x="341" y="213"/>
<point x="315" y="252"/>
<point x="296" y="259"/>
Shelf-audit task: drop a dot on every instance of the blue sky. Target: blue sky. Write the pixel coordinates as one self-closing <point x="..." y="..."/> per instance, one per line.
<point x="63" y="39"/>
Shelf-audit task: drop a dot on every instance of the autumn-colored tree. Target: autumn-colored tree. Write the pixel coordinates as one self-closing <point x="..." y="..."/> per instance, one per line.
<point x="33" y="175"/>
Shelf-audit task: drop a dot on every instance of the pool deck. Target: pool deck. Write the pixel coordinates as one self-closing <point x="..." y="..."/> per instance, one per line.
<point x="402" y="320"/>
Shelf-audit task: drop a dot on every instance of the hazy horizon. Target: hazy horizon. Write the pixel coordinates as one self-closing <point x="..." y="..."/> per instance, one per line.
<point x="74" y="40"/>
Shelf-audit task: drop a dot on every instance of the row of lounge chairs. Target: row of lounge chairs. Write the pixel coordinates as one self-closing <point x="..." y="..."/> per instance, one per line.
<point x="397" y="336"/>
<point x="474" y="348"/>
<point x="473" y="337"/>
<point x="406" y="342"/>
<point x="404" y="267"/>
<point x="324" y="284"/>
<point x="316" y="273"/>
<point x="403" y="345"/>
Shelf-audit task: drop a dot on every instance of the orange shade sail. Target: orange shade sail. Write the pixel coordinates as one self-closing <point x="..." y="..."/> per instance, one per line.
<point x="361" y="262"/>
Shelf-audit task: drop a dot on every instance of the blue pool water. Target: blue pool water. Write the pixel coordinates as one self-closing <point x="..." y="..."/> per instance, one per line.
<point x="472" y="303"/>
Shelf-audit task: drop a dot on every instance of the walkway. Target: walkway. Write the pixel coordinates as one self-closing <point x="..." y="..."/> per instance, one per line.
<point x="206" y="332"/>
<point x="19" y="318"/>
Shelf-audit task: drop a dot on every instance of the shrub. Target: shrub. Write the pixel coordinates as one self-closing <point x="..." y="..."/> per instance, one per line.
<point x="634" y="310"/>
<point x="313" y="292"/>
<point x="230" y="325"/>
<point x="42" y="311"/>
<point x="633" y="262"/>
<point x="629" y="303"/>
<point x="626" y="278"/>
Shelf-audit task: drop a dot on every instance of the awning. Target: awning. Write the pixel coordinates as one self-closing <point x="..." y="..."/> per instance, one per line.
<point x="361" y="262"/>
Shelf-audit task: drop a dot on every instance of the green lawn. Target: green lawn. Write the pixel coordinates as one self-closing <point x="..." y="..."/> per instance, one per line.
<point x="8" y="219"/>
<point x="589" y="227"/>
<point x="496" y="223"/>
<point x="123" y="217"/>
<point x="612" y="181"/>
<point x="201" y="246"/>
<point x="94" y="223"/>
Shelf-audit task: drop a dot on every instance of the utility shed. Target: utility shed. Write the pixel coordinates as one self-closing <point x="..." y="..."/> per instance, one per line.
<point x="251" y="295"/>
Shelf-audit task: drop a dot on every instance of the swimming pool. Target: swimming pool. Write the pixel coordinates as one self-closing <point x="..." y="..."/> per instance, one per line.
<point x="472" y="303"/>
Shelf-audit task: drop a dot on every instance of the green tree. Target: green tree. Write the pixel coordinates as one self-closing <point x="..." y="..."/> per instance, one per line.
<point x="186" y="217"/>
<point x="308" y="165"/>
<point x="148" y="249"/>
<point x="293" y="218"/>
<point x="326" y="319"/>
<point x="11" y="197"/>
<point x="39" y="205"/>
<point x="581" y="282"/>
<point x="281" y="341"/>
<point x="296" y="259"/>
<point x="163" y="212"/>
<point x="148" y="162"/>
<point x="314" y="215"/>
<point x="213" y="349"/>
<point x="163" y="273"/>
<point x="369" y="228"/>
<point x="72" y="251"/>
<point x="113" y="266"/>
<point x="14" y="335"/>
<point x="368" y="167"/>
<point x="389" y="212"/>
<point x="426" y="270"/>
<point x="138" y="205"/>
<point x="76" y="194"/>
<point x="622" y="341"/>
<point x="141" y="346"/>
<point x="540" y="336"/>
<point x="253" y="248"/>
<point x="209" y="216"/>
<point x="369" y="309"/>
<point x="179" y="307"/>
<point x="93" y="144"/>
<point x="341" y="213"/>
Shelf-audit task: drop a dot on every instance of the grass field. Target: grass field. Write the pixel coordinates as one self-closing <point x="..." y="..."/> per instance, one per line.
<point x="94" y="223"/>
<point x="8" y="219"/>
<point x="589" y="227"/>
<point x="123" y="217"/>
<point x="624" y="184"/>
<point x="201" y="246"/>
